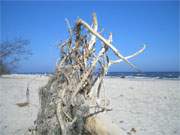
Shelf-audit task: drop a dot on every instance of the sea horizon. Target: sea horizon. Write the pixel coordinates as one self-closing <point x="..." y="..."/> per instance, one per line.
<point x="126" y="74"/>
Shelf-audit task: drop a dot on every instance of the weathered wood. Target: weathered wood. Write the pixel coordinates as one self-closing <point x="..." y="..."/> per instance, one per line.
<point x="106" y="43"/>
<point x="71" y="100"/>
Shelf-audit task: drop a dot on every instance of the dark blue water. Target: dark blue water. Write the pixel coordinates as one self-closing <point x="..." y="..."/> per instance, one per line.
<point x="158" y="75"/>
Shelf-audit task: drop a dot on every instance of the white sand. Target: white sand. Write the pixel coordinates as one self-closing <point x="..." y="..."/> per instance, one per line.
<point x="150" y="106"/>
<point x="15" y="120"/>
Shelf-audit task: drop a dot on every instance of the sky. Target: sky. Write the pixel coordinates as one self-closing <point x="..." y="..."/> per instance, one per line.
<point x="133" y="23"/>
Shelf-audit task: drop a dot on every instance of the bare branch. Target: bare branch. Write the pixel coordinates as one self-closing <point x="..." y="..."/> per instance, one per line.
<point x="80" y="21"/>
<point x="130" y="56"/>
<point x="95" y="28"/>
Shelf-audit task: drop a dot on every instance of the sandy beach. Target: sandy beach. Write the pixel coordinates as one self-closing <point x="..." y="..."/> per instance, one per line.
<point x="140" y="106"/>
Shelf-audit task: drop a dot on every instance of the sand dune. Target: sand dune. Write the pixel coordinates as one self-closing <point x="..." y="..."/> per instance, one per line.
<point x="140" y="106"/>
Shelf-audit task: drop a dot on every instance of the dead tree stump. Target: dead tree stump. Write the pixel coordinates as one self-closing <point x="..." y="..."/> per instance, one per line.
<point x="72" y="98"/>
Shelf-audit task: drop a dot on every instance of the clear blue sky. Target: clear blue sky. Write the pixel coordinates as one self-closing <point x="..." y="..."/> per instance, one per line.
<point x="132" y="24"/>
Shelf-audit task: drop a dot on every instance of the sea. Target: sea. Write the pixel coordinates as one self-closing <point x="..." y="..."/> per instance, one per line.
<point x="146" y="75"/>
<point x="136" y="75"/>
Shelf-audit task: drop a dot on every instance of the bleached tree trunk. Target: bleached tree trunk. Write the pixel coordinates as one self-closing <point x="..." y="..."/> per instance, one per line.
<point x="69" y="103"/>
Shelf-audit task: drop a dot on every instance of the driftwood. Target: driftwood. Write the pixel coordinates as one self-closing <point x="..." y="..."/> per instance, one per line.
<point x="26" y="103"/>
<point x="72" y="101"/>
